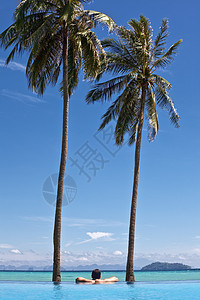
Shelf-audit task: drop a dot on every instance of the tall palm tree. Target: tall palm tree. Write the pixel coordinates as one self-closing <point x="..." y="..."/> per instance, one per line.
<point x="57" y="35"/>
<point x="135" y="58"/>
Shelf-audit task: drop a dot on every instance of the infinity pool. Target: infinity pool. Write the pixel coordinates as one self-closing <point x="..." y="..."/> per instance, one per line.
<point x="118" y="291"/>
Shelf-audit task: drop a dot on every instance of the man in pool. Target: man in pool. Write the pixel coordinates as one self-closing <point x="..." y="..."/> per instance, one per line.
<point x="96" y="278"/>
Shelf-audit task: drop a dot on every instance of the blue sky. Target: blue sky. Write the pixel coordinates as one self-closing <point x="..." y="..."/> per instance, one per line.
<point x="96" y="219"/>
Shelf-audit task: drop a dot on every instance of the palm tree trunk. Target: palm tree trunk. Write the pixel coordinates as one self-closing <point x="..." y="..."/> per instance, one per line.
<point x="130" y="265"/>
<point x="58" y="214"/>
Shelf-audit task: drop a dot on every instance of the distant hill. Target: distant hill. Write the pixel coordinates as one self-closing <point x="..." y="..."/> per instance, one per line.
<point x="163" y="266"/>
<point x="64" y="268"/>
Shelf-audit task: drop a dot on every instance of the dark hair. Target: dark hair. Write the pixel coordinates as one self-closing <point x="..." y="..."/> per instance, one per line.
<point x="96" y="274"/>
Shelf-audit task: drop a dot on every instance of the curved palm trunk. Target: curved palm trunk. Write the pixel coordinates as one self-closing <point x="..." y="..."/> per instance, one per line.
<point x="130" y="265"/>
<point x="58" y="214"/>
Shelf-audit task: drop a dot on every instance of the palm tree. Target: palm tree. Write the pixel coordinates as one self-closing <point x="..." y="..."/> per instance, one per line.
<point x="57" y="35"/>
<point x="135" y="58"/>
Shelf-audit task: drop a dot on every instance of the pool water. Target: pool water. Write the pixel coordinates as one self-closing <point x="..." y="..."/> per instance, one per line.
<point x="118" y="291"/>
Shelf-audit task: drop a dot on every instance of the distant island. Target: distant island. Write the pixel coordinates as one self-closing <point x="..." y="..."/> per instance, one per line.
<point x="49" y="268"/>
<point x="157" y="266"/>
<point x="163" y="266"/>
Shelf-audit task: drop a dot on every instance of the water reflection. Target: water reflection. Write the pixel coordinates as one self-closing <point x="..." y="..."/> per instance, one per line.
<point x="58" y="291"/>
<point x="130" y="283"/>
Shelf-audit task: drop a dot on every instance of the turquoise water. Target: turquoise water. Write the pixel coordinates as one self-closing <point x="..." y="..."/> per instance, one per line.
<point x="70" y="276"/>
<point x="180" y="285"/>
<point x="117" y="291"/>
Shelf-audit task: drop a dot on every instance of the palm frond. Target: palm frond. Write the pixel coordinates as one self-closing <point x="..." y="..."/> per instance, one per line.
<point x="117" y="64"/>
<point x="9" y="36"/>
<point x="164" y="101"/>
<point x="119" y="58"/>
<point x="44" y="62"/>
<point x="91" y="50"/>
<point x="100" y="18"/>
<point x="128" y="115"/>
<point x="111" y="113"/>
<point x="143" y="31"/>
<point x="160" y="40"/>
<point x="168" y="57"/>
<point x="29" y="7"/>
<point x="162" y="82"/>
<point x="23" y="37"/>
<point x="74" y="63"/>
<point x="124" y="51"/>
<point x="70" y="10"/>
<point x="151" y="114"/>
<point x="104" y="91"/>
<point x="126" y="35"/>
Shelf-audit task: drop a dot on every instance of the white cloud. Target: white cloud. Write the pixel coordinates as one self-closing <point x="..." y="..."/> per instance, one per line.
<point x="197" y="237"/>
<point x="196" y="251"/>
<point x="20" y="97"/>
<point x="83" y="258"/>
<point x="15" y="251"/>
<point x="98" y="235"/>
<point x="5" y="246"/>
<point x="92" y="257"/>
<point x="14" y="66"/>
<point x="117" y="252"/>
<point x="182" y="257"/>
<point x="99" y="257"/>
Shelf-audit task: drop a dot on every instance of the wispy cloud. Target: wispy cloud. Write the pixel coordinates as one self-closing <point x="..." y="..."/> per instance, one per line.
<point x="38" y="219"/>
<point x="15" y="251"/>
<point x="78" y="222"/>
<point x="20" y="97"/>
<point x="5" y="246"/>
<point x="73" y="222"/>
<point x="68" y="244"/>
<point x="118" y="252"/>
<point x="14" y="66"/>
<point x="98" y="235"/>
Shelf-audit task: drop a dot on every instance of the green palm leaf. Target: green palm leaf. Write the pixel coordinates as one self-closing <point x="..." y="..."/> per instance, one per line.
<point x="160" y="40"/>
<point x="98" y="17"/>
<point x="104" y="91"/>
<point x="151" y="114"/>
<point x="168" y="57"/>
<point x="164" y="101"/>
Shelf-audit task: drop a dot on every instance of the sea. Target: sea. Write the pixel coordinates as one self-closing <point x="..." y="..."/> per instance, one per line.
<point x="68" y="276"/>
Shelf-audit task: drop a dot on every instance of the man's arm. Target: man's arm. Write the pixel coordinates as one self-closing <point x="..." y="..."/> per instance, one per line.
<point x="84" y="280"/>
<point x="107" y="280"/>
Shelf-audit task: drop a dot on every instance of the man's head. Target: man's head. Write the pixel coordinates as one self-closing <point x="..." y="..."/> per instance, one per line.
<point x="96" y="274"/>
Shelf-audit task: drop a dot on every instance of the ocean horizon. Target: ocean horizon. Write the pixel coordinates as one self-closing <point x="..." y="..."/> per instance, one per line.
<point x="70" y="276"/>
